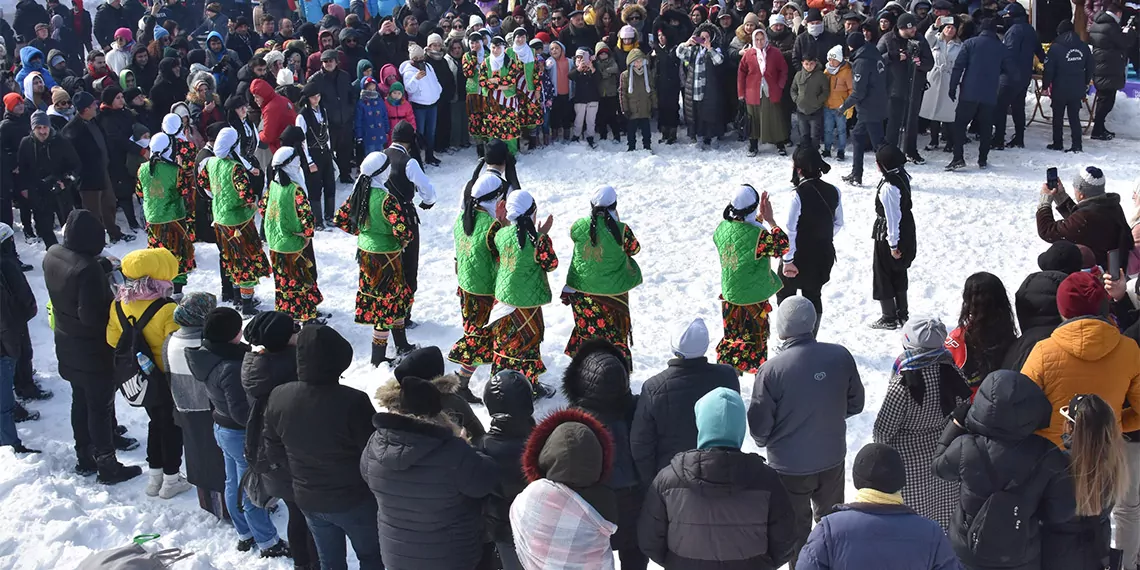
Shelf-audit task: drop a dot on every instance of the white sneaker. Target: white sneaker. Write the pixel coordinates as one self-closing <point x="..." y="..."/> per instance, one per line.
<point x="173" y="485"/>
<point x="155" y="482"/>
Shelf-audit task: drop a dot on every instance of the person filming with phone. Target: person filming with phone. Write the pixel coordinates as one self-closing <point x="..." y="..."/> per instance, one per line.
<point x="1094" y="219"/>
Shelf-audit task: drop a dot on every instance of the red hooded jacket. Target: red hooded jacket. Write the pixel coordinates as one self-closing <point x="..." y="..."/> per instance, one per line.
<point x="276" y="113"/>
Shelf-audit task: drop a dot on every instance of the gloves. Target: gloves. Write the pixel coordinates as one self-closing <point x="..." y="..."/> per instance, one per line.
<point x="426" y="206"/>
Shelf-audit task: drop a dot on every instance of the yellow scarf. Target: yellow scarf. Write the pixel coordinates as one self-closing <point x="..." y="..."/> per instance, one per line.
<point x="874" y="497"/>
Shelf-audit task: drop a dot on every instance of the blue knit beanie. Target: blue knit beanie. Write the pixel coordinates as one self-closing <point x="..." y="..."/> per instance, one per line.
<point x="721" y="420"/>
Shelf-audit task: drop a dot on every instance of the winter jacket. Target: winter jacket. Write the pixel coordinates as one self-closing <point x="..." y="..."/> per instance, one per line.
<point x="28" y="14"/>
<point x="109" y="18"/>
<point x="118" y="128"/>
<point x="1021" y="40"/>
<point x="261" y="372"/>
<point x="608" y="72"/>
<point x="665" y="422"/>
<point x="800" y="405"/>
<point x="936" y="103"/>
<point x="1007" y="409"/>
<point x="77" y="287"/>
<point x="600" y="386"/>
<point x="43" y="164"/>
<point x="397" y="113"/>
<point x="840" y="85"/>
<point x="1097" y="223"/>
<point x="218" y="366"/>
<point x="748" y="75"/>
<point x="423" y="91"/>
<point x="902" y="73"/>
<point x="586" y="85"/>
<point x="1035" y="304"/>
<point x="856" y="535"/>
<point x="807" y="44"/>
<point x="168" y="88"/>
<point x="13" y="130"/>
<point x="810" y="91"/>
<point x="1087" y="356"/>
<point x="320" y="428"/>
<point x="17" y="303"/>
<point x="91" y="146"/>
<point x="336" y="96"/>
<point x="508" y="400"/>
<point x="1068" y="68"/>
<point x="242" y="46"/>
<point x="637" y="103"/>
<point x="574" y="38"/>
<point x="978" y="69"/>
<point x="27" y="53"/>
<point x="1110" y="49"/>
<point x="372" y="123"/>
<point x="189" y="394"/>
<point x="869" y="95"/>
<point x="276" y="114"/>
<point x="717" y="508"/>
<point x="157" y="264"/>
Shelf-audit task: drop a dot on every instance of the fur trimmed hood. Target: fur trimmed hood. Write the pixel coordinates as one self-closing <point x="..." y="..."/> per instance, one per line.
<point x="631" y="9"/>
<point x="388" y="396"/>
<point x="566" y="456"/>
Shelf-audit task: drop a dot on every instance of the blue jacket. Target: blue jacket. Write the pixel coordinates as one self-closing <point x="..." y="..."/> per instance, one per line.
<point x="1068" y="68"/>
<point x="858" y="536"/>
<point x="869" y="73"/>
<point x="26" y="54"/>
<point x="1022" y="43"/>
<point x="371" y="126"/>
<point x="980" y="64"/>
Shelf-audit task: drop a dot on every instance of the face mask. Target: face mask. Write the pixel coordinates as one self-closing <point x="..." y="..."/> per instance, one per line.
<point x="815" y="29"/>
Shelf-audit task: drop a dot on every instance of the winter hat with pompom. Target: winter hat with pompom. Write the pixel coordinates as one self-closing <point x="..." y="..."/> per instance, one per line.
<point x="691" y="340"/>
<point x="1090" y="182"/>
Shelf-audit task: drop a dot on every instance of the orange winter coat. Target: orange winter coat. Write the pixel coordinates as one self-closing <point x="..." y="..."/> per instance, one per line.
<point x="1087" y="356"/>
<point x="841" y="86"/>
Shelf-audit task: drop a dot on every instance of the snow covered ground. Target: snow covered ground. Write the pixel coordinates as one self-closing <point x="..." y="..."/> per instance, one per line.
<point x="968" y="221"/>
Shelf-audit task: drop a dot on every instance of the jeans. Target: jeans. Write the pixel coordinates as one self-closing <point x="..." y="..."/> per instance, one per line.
<point x="585" y="115"/>
<point x="1126" y="514"/>
<point x="819" y="493"/>
<point x="8" y="434"/>
<point x="359" y="525"/>
<point x="965" y="113"/>
<point x="1011" y="100"/>
<point x="248" y="519"/>
<point x="1073" y="109"/>
<point x="865" y="133"/>
<point x="426" y="118"/>
<point x="834" y="130"/>
<point x="811" y="128"/>
<point x="631" y="133"/>
<point x="93" y="417"/>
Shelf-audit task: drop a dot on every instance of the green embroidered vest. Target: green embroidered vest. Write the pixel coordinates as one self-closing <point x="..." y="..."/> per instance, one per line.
<point x="473" y="81"/>
<point x="520" y="282"/>
<point x="377" y="235"/>
<point x="281" y="220"/>
<point x="474" y="265"/>
<point x="485" y="71"/>
<point x="229" y="207"/>
<point x="602" y="269"/>
<point x="528" y="68"/>
<point x="162" y="202"/>
<point x="744" y="279"/>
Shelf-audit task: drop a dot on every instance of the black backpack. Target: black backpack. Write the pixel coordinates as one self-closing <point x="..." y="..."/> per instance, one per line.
<point x="999" y="534"/>
<point x="132" y="380"/>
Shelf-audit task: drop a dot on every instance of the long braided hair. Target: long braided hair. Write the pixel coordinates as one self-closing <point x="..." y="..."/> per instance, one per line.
<point x="525" y="224"/>
<point x="358" y="203"/>
<point x="733" y="214"/>
<point x="604" y="212"/>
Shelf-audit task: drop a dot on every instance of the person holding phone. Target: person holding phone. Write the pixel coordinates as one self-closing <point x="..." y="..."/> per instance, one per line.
<point x="1095" y="219"/>
<point x="703" y="59"/>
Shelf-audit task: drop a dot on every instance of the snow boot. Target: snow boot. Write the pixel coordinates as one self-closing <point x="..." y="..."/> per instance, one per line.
<point x="245" y="544"/>
<point x="753" y="147"/>
<point x="997" y="144"/>
<point x="124" y="443"/>
<point x="154" y="483"/>
<point x="379" y="354"/>
<point x="983" y="164"/>
<point x="839" y="155"/>
<point x="33" y="391"/>
<point x="956" y="164"/>
<point x="248" y="308"/>
<point x="20" y="414"/>
<point x="885" y="324"/>
<point x="781" y="150"/>
<point x="542" y="391"/>
<point x="825" y="154"/>
<point x="279" y="550"/>
<point x="1075" y="150"/>
<point x="1016" y="142"/>
<point x="120" y="430"/>
<point x="173" y="485"/>
<point x="85" y="464"/>
<point x="112" y="472"/>
<point x="1056" y="146"/>
<point x="853" y="179"/>
<point x="916" y="158"/>
<point x="20" y="449"/>
<point x="465" y="390"/>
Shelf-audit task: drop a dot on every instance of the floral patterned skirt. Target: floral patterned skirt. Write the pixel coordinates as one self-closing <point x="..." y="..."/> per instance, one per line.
<point x="599" y="316"/>
<point x="295" y="278"/>
<point x="745" y="342"/>
<point x="499" y="122"/>
<point x="383" y="297"/>
<point x="530" y="108"/>
<point x="175" y="237"/>
<point x="243" y="258"/>
<point x="475" y="114"/>
<point x="518" y="343"/>
<point x="476" y="347"/>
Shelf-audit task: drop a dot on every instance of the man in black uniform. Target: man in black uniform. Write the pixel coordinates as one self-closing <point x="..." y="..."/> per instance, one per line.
<point x="406" y="178"/>
<point x="869" y="97"/>
<point x="908" y="58"/>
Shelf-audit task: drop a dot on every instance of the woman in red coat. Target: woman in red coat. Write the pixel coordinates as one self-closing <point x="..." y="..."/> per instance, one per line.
<point x="760" y="85"/>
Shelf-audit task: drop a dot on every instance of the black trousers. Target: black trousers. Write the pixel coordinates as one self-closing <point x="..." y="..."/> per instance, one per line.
<point x="631" y="133"/>
<point x="1073" y="109"/>
<point x="343" y="145"/>
<point x="812" y="494"/>
<point x="562" y="113"/>
<point x="895" y="117"/>
<point x="966" y="112"/>
<point x="890" y="281"/>
<point x="937" y="134"/>
<point x="163" y="439"/>
<point x="93" y="417"/>
<point x="1105" y="101"/>
<point x="866" y="135"/>
<point x="668" y="109"/>
<point x="1011" y="100"/>
<point x="48" y="207"/>
<point x="322" y="187"/>
<point x="609" y="113"/>
<point x="410" y="258"/>
<point x="811" y="291"/>
<point x="624" y="541"/>
<point x="301" y="543"/>
<point x="25" y="377"/>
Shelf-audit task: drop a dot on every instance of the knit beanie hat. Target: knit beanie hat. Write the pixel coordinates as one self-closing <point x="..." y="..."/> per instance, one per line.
<point x="752" y="18"/>
<point x="404" y="131"/>
<point x="11" y="100"/>
<point x="415" y="51"/>
<point x="1081" y="294"/>
<point x="1088" y="258"/>
<point x="1062" y="256"/>
<point x="855" y="40"/>
<point x="923" y="333"/>
<point x="796" y="317"/>
<point x="420" y="397"/>
<point x="1090" y="182"/>
<point x="776" y="19"/>
<point x="545" y="37"/>
<point x="438" y="39"/>
<point x="813" y="15"/>
<point x="82" y="100"/>
<point x="906" y="22"/>
<point x="582" y="52"/>
<point x="130" y="94"/>
<point x="691" y="340"/>
<point x="426" y="362"/>
<point x="878" y="466"/>
<point x="40" y="119"/>
<point x="109" y="94"/>
<point x="271" y="329"/>
<point x="627" y="32"/>
<point x="222" y="325"/>
<point x="193" y="308"/>
<point x="722" y="419"/>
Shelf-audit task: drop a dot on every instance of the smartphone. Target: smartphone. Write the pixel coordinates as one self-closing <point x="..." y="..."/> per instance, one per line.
<point x="946" y="21"/>
<point x="1114" y="263"/>
<point x="1051" y="178"/>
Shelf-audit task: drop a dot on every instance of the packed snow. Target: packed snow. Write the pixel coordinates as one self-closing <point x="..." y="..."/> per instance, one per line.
<point x="673" y="199"/>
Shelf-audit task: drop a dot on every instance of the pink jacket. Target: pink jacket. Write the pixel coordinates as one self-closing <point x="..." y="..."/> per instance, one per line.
<point x="397" y="113"/>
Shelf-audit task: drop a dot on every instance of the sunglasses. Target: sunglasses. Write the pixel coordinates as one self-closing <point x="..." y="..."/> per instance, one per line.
<point x="63" y="104"/>
<point x="635" y="18"/>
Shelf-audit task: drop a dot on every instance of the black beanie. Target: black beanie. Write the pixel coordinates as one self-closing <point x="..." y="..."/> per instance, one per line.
<point x="855" y="40"/>
<point x="496" y="152"/>
<point x="1064" y="27"/>
<point x="1062" y="256"/>
<point x="109" y="94"/>
<point x="222" y="325"/>
<point x="890" y="157"/>
<point x="271" y="329"/>
<point x="426" y="362"/>
<point x="419" y="397"/>
<point x="878" y="466"/>
<point x="404" y="133"/>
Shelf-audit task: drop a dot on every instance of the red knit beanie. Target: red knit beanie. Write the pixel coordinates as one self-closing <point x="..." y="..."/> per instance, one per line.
<point x="1081" y="294"/>
<point x="11" y="100"/>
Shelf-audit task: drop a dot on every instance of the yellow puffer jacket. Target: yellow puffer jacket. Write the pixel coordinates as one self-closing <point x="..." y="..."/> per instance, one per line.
<point x="1087" y="356"/>
<point x="157" y="264"/>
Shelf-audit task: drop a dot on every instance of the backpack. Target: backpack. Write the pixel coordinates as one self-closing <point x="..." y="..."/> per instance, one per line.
<point x="999" y="534"/>
<point x="132" y="352"/>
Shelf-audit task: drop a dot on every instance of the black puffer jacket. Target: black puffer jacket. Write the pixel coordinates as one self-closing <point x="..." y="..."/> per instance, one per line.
<point x="168" y="88"/>
<point x="80" y="300"/>
<point x="92" y="147"/>
<point x="1037" y="315"/>
<point x="508" y="400"/>
<point x="430" y="485"/>
<point x="1007" y="409"/>
<point x="597" y="382"/>
<point x="1110" y="47"/>
<point x="717" y="508"/>
<point x="261" y="372"/>
<point x="218" y="366"/>
<point x="17" y="303"/>
<point x="665" y="423"/>
<point x="319" y="426"/>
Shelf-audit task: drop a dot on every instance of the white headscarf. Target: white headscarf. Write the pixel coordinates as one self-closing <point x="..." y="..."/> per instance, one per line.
<point x="225" y="141"/>
<point x="374" y="165"/>
<point x="486" y="184"/>
<point x="172" y="125"/>
<point x="496" y="62"/>
<point x="606" y="196"/>
<point x="160" y="145"/>
<point x="747" y="197"/>
<point x="285" y="159"/>
<point x="524" y="53"/>
<point x="518" y="203"/>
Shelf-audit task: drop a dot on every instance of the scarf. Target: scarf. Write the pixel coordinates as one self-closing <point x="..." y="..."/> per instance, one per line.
<point x="497" y="62"/>
<point x="832" y="70"/>
<point x="480" y="53"/>
<point x="524" y="54"/>
<point x="815" y="29"/>
<point x="918" y="358"/>
<point x="876" y="497"/>
<point x="369" y="94"/>
<point x="395" y="102"/>
<point x="644" y="76"/>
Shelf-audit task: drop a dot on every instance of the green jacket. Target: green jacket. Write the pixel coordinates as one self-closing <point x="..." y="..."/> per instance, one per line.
<point x="602" y="269"/>
<point x="162" y="201"/>
<point x="521" y="281"/>
<point x="608" y="72"/>
<point x="810" y="90"/>
<point x="640" y="103"/>
<point x="475" y="263"/>
<point x="230" y="208"/>
<point x="283" y="218"/>
<point x="745" y="278"/>
<point x="379" y="234"/>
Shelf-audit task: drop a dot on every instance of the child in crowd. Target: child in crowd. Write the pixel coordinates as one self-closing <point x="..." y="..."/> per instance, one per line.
<point x="638" y="98"/>
<point x="372" y="123"/>
<point x="609" y="106"/>
<point x="810" y="89"/>
<point x="834" y="121"/>
<point x="398" y="109"/>
<point x="561" y="111"/>
<point x="586" y="95"/>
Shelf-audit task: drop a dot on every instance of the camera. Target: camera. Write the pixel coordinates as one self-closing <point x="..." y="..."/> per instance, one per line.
<point x="913" y="48"/>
